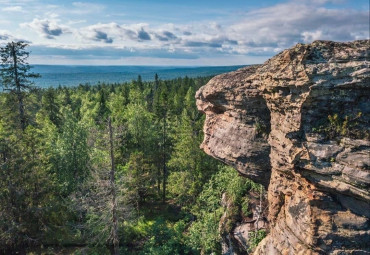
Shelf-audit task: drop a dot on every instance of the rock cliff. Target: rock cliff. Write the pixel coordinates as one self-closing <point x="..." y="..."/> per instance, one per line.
<point x="299" y="125"/>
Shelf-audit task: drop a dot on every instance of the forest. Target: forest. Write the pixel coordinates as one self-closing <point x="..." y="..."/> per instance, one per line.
<point x="110" y="169"/>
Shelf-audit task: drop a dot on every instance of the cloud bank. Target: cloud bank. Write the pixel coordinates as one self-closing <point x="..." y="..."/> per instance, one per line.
<point x="258" y="32"/>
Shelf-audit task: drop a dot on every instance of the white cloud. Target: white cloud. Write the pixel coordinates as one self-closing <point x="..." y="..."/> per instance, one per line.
<point x="259" y="33"/>
<point x="13" y="9"/>
<point x="109" y="32"/>
<point x="4" y="35"/>
<point x="17" y="2"/>
<point x="312" y="36"/>
<point x="262" y="32"/>
<point x="284" y="25"/>
<point x="100" y="32"/>
<point x="74" y="22"/>
<point x="49" y="29"/>
<point x="85" y="8"/>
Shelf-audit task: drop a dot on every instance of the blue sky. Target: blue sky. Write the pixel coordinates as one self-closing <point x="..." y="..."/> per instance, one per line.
<point x="174" y="32"/>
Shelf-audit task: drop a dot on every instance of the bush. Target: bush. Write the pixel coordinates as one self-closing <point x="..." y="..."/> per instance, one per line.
<point x="338" y="126"/>
<point x="204" y="233"/>
<point x="166" y="239"/>
<point x="255" y="238"/>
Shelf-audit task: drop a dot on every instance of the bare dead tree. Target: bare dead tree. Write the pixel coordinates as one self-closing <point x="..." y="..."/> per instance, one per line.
<point x="105" y="198"/>
<point x="113" y="188"/>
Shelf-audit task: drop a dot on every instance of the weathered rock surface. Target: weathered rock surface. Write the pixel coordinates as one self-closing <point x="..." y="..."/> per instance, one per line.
<point x="264" y="121"/>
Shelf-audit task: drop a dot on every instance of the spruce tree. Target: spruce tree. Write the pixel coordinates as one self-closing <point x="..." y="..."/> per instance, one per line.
<point x="15" y="74"/>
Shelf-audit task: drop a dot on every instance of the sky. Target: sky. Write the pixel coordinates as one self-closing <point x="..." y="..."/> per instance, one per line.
<point x="175" y="32"/>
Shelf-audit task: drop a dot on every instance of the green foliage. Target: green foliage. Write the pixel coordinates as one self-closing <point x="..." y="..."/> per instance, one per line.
<point x="255" y="238"/>
<point x="136" y="231"/>
<point x="15" y="72"/>
<point x="50" y="107"/>
<point x="102" y="110"/>
<point x="261" y="128"/>
<point x="336" y="126"/>
<point x="165" y="239"/>
<point x="245" y="206"/>
<point x="30" y="208"/>
<point x="15" y="76"/>
<point x="226" y="180"/>
<point x="55" y="186"/>
<point x="139" y="123"/>
<point x="140" y="177"/>
<point x="191" y="166"/>
<point x="69" y="155"/>
<point x="182" y="186"/>
<point x="204" y="232"/>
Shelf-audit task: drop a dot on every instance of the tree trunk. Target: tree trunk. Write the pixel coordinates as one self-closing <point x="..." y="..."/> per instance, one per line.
<point x="21" y="110"/>
<point x="113" y="187"/>
<point x="164" y="158"/>
<point x="159" y="180"/>
<point x="18" y="88"/>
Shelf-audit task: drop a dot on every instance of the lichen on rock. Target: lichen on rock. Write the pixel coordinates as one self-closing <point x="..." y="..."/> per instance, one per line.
<point x="264" y="120"/>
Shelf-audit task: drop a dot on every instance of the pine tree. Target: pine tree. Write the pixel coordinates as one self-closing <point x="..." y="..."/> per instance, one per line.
<point x="140" y="82"/>
<point x="162" y="112"/>
<point x="70" y="153"/>
<point x="102" y="108"/>
<point x="156" y="81"/>
<point x="15" y="74"/>
<point x="51" y="107"/>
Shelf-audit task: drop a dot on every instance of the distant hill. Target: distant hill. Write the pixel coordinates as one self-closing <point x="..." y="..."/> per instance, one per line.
<point x="55" y="75"/>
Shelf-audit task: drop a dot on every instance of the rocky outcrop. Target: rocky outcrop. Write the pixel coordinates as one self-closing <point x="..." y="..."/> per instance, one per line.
<point x="299" y="124"/>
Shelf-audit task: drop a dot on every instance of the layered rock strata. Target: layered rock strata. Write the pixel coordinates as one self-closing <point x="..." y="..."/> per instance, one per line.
<point x="299" y="125"/>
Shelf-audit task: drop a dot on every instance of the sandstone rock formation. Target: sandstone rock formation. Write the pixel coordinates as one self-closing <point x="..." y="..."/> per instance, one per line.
<point x="299" y="124"/>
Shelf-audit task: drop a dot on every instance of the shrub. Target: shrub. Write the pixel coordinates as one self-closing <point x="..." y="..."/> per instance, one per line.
<point x="338" y="126"/>
<point x="255" y="238"/>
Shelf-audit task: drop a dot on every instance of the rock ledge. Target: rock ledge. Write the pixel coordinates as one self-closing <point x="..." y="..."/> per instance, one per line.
<point x="271" y="122"/>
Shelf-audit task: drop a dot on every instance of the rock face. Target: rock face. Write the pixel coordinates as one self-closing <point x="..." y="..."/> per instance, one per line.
<point x="299" y="125"/>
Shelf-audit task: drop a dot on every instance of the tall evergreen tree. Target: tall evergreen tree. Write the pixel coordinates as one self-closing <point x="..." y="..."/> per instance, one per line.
<point x="70" y="154"/>
<point x="102" y="108"/>
<point x="15" y="74"/>
<point x="162" y="112"/>
<point x="51" y="107"/>
<point x="140" y="82"/>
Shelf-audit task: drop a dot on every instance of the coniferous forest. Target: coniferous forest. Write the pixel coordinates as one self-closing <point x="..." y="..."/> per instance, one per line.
<point x="109" y="169"/>
<point x="103" y="150"/>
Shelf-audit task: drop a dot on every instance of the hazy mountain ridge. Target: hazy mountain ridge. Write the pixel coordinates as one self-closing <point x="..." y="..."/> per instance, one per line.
<point x="55" y="75"/>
